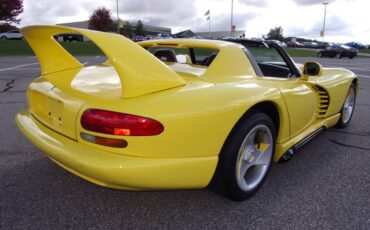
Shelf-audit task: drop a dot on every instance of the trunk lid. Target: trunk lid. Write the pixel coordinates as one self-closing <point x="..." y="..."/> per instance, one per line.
<point x="53" y="107"/>
<point x="56" y="99"/>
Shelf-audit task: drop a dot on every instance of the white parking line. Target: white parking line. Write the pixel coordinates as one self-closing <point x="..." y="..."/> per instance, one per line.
<point x="19" y="66"/>
<point x="363" y="76"/>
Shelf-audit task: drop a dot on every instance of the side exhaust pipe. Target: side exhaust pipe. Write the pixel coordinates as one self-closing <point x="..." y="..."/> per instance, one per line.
<point x="292" y="151"/>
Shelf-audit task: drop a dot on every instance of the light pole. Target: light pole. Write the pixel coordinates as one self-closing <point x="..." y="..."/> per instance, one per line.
<point x="323" y="26"/>
<point x="231" y="21"/>
<point x="117" y="18"/>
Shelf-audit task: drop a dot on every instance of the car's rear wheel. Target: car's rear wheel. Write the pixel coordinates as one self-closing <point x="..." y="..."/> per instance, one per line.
<point x="3" y="37"/>
<point x="246" y="157"/>
<point x="348" y="108"/>
<point x="338" y="55"/>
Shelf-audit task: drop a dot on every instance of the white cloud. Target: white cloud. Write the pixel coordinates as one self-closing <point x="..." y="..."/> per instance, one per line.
<point x="347" y="20"/>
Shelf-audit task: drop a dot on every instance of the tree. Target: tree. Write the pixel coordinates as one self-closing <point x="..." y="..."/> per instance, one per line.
<point x="101" y="19"/>
<point x="10" y="9"/>
<point x="276" y="33"/>
<point x="127" y="30"/>
<point x="140" y="28"/>
<point x="6" y="27"/>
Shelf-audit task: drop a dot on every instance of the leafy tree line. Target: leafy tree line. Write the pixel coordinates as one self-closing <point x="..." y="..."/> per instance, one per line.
<point x="277" y="33"/>
<point x="9" y="12"/>
<point x="101" y="19"/>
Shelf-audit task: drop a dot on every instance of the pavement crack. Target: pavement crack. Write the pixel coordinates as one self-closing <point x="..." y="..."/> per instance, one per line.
<point x="350" y="133"/>
<point x="8" y="85"/>
<point x="347" y="145"/>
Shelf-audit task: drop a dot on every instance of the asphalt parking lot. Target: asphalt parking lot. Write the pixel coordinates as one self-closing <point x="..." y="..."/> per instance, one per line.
<point x="325" y="186"/>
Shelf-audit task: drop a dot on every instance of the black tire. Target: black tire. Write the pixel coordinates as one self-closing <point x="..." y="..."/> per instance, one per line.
<point x="344" y="120"/>
<point x="3" y="37"/>
<point x="225" y="179"/>
<point x="351" y="57"/>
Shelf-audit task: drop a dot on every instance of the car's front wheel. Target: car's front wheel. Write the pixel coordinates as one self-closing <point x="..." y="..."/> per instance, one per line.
<point x="246" y="157"/>
<point x="348" y="108"/>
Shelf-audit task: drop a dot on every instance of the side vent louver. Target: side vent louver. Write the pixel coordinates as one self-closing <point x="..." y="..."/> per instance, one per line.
<point x="323" y="101"/>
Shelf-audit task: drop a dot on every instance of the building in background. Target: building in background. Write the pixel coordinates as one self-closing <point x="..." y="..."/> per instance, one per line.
<point x="185" y="34"/>
<point x="210" y="35"/>
<point x="222" y="34"/>
<point x="148" y="29"/>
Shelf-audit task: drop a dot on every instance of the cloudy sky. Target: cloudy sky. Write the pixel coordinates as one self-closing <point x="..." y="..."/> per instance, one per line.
<point x="346" y="20"/>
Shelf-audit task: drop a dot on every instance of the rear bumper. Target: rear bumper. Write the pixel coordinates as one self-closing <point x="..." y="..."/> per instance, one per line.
<point x="116" y="170"/>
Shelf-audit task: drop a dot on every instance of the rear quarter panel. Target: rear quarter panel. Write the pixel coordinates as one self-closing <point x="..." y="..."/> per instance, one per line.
<point x="197" y="117"/>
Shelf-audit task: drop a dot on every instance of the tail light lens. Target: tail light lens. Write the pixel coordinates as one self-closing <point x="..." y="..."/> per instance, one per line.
<point x="120" y="124"/>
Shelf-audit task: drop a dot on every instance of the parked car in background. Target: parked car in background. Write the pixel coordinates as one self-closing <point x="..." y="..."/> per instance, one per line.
<point x="312" y="45"/>
<point x="12" y="34"/>
<point x="356" y="45"/>
<point x="139" y="38"/>
<point x="294" y="44"/>
<point x="280" y="43"/>
<point x="72" y="37"/>
<point x="338" y="51"/>
<point x="166" y="36"/>
<point x="197" y="37"/>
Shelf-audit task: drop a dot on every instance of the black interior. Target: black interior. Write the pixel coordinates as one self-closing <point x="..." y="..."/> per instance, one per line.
<point x="272" y="70"/>
<point x="166" y="55"/>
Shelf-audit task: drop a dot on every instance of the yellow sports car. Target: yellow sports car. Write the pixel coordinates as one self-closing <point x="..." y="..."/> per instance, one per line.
<point x="178" y="113"/>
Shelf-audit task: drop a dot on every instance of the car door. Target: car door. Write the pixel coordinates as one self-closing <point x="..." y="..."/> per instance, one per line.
<point x="300" y="96"/>
<point x="301" y="100"/>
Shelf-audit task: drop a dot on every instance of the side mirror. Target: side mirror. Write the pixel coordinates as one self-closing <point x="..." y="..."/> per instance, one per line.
<point x="311" y="69"/>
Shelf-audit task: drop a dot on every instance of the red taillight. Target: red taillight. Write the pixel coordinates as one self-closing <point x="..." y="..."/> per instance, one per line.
<point x="121" y="124"/>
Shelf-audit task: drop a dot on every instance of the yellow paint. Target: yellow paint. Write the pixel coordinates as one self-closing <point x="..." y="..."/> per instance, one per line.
<point x="127" y="58"/>
<point x="117" y="171"/>
<point x="197" y="106"/>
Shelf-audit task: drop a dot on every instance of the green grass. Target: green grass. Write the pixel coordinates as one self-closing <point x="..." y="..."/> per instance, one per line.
<point x="82" y="48"/>
<point x="20" y="47"/>
<point x="364" y="51"/>
<point x="14" y="47"/>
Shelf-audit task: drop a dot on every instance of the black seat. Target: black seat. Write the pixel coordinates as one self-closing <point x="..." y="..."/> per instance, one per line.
<point x="166" y="55"/>
<point x="207" y="61"/>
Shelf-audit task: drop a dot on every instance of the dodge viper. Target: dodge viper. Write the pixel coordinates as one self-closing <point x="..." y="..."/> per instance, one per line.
<point x="178" y="113"/>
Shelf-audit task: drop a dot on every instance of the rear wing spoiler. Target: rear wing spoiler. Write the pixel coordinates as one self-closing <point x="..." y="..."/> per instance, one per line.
<point x="139" y="71"/>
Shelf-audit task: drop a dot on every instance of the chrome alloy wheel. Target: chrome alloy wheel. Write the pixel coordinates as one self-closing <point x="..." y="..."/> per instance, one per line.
<point x="349" y="105"/>
<point x="254" y="158"/>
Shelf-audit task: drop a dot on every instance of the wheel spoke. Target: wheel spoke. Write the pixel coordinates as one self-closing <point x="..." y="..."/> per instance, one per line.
<point x="264" y="156"/>
<point x="254" y="157"/>
<point x="250" y="139"/>
<point x="245" y="165"/>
